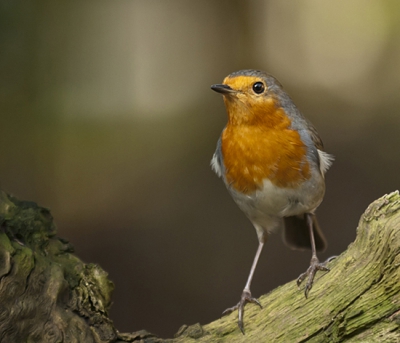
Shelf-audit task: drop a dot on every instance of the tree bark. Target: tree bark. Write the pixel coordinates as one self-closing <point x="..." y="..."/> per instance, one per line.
<point x="48" y="295"/>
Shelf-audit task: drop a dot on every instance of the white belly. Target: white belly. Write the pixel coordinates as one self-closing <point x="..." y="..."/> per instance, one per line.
<point x="267" y="206"/>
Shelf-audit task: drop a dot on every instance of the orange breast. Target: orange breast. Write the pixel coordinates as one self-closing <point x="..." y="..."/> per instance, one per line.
<point x="252" y="153"/>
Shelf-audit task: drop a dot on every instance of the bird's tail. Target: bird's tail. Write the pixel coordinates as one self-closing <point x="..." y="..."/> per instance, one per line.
<point x="296" y="233"/>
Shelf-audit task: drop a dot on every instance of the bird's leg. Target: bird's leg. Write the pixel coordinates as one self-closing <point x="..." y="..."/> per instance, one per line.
<point x="315" y="265"/>
<point x="246" y="294"/>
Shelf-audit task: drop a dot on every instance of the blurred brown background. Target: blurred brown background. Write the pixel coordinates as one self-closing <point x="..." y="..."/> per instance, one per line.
<point x="108" y="119"/>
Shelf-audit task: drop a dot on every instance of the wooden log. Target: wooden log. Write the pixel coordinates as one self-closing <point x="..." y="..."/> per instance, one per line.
<point x="48" y="295"/>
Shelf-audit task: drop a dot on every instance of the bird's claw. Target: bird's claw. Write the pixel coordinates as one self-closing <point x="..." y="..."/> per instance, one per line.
<point x="244" y="299"/>
<point x="315" y="265"/>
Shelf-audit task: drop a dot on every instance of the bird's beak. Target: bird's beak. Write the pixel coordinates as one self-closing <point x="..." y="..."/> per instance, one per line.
<point x="223" y="89"/>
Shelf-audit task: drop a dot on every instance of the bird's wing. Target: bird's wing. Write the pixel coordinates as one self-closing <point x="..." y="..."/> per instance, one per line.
<point x="315" y="137"/>
<point x="216" y="161"/>
<point x="325" y="159"/>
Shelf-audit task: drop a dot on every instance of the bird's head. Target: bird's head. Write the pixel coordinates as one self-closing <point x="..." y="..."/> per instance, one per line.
<point x="251" y="97"/>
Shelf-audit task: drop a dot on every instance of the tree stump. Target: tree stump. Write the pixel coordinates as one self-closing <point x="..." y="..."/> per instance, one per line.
<point x="48" y="295"/>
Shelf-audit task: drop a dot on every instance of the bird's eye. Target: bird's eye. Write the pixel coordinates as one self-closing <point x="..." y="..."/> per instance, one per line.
<point x="258" y="87"/>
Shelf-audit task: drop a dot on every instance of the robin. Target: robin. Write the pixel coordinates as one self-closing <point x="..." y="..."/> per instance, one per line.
<point x="272" y="162"/>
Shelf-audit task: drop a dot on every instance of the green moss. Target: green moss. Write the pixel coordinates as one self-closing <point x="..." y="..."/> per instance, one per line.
<point x="351" y="303"/>
<point x="49" y="295"/>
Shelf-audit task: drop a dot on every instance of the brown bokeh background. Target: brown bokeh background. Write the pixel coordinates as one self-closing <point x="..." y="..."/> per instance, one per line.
<point x="107" y="118"/>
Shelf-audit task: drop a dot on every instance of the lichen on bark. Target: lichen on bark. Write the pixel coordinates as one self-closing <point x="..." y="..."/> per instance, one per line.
<point x="49" y="295"/>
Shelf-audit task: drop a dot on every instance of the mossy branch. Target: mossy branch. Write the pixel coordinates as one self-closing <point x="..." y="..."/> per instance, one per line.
<point x="49" y="295"/>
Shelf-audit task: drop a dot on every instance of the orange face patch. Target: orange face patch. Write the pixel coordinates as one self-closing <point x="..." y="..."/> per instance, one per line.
<point x="246" y="107"/>
<point x="271" y="151"/>
<point x="242" y="83"/>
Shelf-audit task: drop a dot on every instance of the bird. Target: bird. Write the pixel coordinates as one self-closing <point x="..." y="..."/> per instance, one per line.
<point x="273" y="164"/>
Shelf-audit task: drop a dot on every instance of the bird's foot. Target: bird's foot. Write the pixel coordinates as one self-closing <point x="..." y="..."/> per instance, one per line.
<point x="315" y="265"/>
<point x="244" y="299"/>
